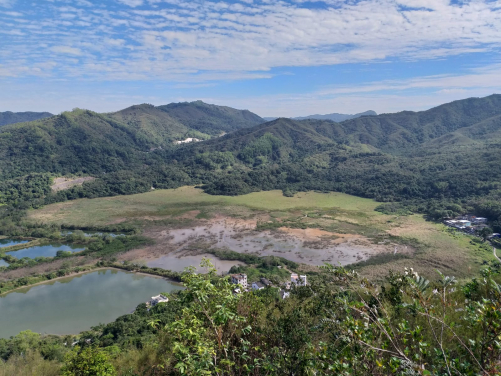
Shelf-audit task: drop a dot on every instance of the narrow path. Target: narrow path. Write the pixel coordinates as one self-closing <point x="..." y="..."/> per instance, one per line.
<point x="494" y="253"/>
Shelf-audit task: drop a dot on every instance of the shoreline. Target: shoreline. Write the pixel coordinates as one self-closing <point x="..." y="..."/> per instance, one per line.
<point x="85" y="272"/>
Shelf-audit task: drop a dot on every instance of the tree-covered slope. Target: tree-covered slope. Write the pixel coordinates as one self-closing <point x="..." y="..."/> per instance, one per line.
<point x="77" y="141"/>
<point x="399" y="130"/>
<point x="211" y="119"/>
<point x="9" y="117"/>
<point x="152" y="123"/>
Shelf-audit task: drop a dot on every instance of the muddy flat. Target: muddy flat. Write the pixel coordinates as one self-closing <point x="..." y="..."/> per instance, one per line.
<point x="175" y="248"/>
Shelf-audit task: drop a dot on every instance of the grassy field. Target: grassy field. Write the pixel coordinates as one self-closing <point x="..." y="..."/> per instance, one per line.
<point x="175" y="202"/>
<point x="435" y="247"/>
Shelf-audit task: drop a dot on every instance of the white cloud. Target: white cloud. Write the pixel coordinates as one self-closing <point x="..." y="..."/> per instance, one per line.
<point x="200" y="39"/>
<point x="7" y="3"/>
<point x="67" y="50"/>
<point x="131" y="3"/>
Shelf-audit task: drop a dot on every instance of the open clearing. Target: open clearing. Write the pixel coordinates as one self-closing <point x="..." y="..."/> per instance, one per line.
<point x="310" y="228"/>
<point x="60" y="184"/>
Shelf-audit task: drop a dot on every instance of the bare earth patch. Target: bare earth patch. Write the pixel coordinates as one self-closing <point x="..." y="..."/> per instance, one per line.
<point x="309" y="246"/>
<point x="65" y="183"/>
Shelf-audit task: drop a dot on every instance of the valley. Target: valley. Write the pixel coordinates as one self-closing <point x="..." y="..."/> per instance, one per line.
<point x="101" y="212"/>
<point x="309" y="229"/>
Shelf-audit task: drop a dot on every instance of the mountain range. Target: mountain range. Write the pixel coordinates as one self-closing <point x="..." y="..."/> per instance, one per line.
<point x="9" y="117"/>
<point x="449" y="152"/>
<point x="334" y="116"/>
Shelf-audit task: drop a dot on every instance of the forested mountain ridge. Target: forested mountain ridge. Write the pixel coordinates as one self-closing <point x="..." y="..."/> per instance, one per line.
<point x="88" y="142"/>
<point x="393" y="131"/>
<point x="450" y="152"/>
<point x="9" y="117"/>
<point x="209" y="118"/>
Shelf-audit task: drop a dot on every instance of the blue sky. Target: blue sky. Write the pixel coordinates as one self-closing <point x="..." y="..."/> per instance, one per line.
<point x="275" y="58"/>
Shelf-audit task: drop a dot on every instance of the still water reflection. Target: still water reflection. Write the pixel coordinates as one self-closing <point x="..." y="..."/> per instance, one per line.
<point x="74" y="304"/>
<point x="48" y="250"/>
<point x="10" y="242"/>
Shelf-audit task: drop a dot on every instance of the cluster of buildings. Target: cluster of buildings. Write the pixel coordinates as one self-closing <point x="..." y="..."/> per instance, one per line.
<point x="241" y="281"/>
<point x="469" y="224"/>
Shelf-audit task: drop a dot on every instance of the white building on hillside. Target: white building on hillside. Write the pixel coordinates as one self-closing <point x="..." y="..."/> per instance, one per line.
<point x="239" y="279"/>
<point x="158" y="299"/>
<point x="298" y="280"/>
<point x="257" y="286"/>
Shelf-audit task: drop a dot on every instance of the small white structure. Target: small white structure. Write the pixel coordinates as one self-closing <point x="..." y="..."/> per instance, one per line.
<point x="479" y="220"/>
<point x="257" y="286"/>
<point x="298" y="280"/>
<point x="239" y="279"/>
<point x="187" y="141"/>
<point x="158" y="299"/>
<point x="284" y="294"/>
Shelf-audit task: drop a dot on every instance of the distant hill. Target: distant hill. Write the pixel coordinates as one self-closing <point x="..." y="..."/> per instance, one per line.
<point x="387" y="157"/>
<point x="85" y="141"/>
<point x="209" y="118"/>
<point x="334" y="116"/>
<point x="9" y="117"/>
<point x="337" y="117"/>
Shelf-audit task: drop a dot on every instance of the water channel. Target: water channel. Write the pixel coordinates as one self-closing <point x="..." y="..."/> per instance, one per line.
<point x="46" y="250"/>
<point x="71" y="305"/>
<point x="10" y="242"/>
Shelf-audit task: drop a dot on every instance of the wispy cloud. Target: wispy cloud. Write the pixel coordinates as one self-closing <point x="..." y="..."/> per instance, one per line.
<point x="7" y="3"/>
<point x="186" y="41"/>
<point x="67" y="50"/>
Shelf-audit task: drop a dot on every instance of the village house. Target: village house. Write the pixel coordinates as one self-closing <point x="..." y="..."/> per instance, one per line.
<point x="239" y="279"/>
<point x="158" y="299"/>
<point x="284" y="294"/>
<point x="187" y="141"/>
<point x="265" y="282"/>
<point x="298" y="280"/>
<point x="257" y="286"/>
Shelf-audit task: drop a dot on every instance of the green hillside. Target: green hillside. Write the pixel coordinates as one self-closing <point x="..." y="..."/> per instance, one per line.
<point x="209" y="118"/>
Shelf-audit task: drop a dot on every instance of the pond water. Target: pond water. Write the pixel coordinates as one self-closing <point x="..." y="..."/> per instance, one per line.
<point x="10" y="242"/>
<point x="3" y="263"/>
<point x="46" y="250"/>
<point x="71" y="305"/>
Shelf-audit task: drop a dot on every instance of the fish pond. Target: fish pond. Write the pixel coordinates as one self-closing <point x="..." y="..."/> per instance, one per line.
<point x="11" y="242"/>
<point x="45" y="250"/>
<point x="3" y="263"/>
<point x="74" y="304"/>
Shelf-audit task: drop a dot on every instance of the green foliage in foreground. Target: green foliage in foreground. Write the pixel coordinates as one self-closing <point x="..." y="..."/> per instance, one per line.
<point x="89" y="361"/>
<point x="340" y="325"/>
